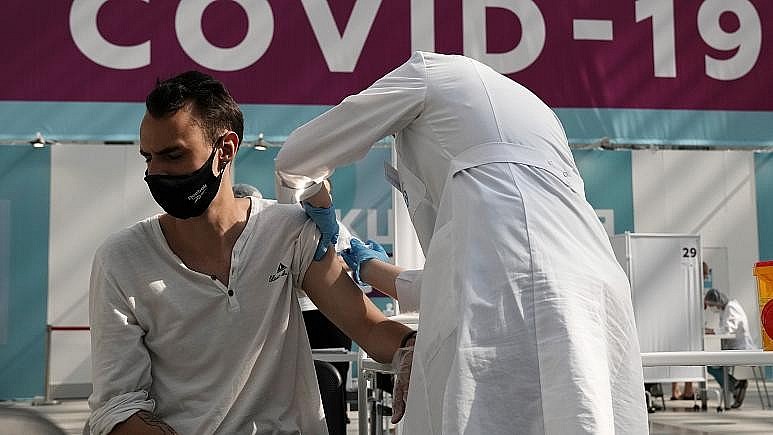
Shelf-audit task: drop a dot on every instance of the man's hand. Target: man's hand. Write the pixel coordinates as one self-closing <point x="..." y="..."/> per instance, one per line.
<point x="359" y="253"/>
<point x="325" y="219"/>
<point x="402" y="363"/>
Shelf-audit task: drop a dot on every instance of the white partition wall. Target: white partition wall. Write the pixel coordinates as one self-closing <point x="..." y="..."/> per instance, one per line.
<point x="666" y="291"/>
<point x="711" y="193"/>
<point x="95" y="191"/>
<point x="406" y="249"/>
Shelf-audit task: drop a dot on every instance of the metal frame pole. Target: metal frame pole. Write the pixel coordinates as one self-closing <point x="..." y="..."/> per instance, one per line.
<point x="47" y="399"/>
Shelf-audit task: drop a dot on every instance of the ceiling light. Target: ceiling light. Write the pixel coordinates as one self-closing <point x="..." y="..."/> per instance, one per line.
<point x="40" y="141"/>
<point x="261" y="144"/>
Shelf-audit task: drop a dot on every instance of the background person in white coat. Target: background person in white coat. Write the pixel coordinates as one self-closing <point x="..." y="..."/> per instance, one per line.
<point x="526" y="321"/>
<point x="732" y="320"/>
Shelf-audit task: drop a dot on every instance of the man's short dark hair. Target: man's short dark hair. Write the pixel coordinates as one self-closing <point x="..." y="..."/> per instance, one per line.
<point x="213" y="106"/>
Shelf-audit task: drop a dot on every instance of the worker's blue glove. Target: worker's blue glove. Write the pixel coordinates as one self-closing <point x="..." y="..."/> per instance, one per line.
<point x="325" y="219"/>
<point x="359" y="253"/>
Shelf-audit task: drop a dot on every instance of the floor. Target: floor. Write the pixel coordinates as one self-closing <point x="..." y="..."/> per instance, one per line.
<point x="679" y="418"/>
<point x="71" y="415"/>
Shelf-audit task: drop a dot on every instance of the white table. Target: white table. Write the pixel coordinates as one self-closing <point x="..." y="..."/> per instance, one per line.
<point x="719" y="358"/>
<point x="334" y="355"/>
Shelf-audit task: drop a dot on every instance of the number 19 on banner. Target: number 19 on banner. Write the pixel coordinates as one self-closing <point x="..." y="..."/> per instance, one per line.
<point x="745" y="40"/>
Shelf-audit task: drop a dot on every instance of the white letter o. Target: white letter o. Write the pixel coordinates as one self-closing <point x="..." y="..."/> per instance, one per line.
<point x="260" y="32"/>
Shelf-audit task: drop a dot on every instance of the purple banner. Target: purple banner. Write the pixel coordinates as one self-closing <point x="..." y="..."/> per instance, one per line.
<point x="657" y="54"/>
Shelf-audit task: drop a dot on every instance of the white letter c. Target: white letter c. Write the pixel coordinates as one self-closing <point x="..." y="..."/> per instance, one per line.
<point x="85" y="33"/>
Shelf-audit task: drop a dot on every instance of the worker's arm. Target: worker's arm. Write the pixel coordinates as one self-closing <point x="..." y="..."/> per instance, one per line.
<point x="381" y="276"/>
<point x="369" y="263"/>
<point x="401" y="284"/>
<point x="143" y="423"/>
<point x="341" y="301"/>
<point x="345" y="133"/>
<point x="322" y="198"/>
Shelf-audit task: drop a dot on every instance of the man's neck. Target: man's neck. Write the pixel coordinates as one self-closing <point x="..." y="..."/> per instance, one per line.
<point x="204" y="243"/>
<point x="218" y="221"/>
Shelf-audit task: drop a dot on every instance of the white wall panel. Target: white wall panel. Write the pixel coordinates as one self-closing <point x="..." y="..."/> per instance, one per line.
<point x="95" y="191"/>
<point x="708" y="193"/>
<point x="665" y="276"/>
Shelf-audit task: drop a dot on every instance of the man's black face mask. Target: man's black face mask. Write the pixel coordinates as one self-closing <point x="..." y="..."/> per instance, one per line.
<point x="187" y="196"/>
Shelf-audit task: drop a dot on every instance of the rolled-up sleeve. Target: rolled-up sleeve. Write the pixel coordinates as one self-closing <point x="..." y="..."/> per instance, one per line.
<point x="305" y="246"/>
<point x="345" y="133"/>
<point x="408" y="287"/>
<point x="120" y="363"/>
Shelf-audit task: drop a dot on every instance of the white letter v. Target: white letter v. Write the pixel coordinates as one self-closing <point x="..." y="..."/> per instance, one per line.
<point x="341" y="52"/>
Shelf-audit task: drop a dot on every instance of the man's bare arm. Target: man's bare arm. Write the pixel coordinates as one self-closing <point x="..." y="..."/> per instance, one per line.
<point x="143" y="422"/>
<point x="338" y="298"/>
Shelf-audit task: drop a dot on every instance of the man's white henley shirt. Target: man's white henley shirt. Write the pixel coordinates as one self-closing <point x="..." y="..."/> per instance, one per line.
<point x="205" y="357"/>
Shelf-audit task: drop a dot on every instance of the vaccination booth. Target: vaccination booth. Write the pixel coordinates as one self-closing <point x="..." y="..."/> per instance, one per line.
<point x="667" y="294"/>
<point x="641" y="87"/>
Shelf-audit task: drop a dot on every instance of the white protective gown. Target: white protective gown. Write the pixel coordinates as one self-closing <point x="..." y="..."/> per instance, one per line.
<point x="733" y="320"/>
<point x="526" y="324"/>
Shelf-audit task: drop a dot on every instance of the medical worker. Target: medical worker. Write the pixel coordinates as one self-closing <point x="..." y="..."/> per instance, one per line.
<point x="526" y="324"/>
<point x="732" y="320"/>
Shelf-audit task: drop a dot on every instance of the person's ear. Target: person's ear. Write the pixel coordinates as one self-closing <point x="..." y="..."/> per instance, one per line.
<point x="229" y="147"/>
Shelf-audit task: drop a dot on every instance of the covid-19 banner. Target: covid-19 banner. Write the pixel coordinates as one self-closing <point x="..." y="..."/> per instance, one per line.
<point x="605" y="65"/>
<point x="713" y="54"/>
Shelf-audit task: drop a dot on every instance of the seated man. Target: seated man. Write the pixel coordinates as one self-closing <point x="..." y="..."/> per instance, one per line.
<point x="195" y="324"/>
<point x="732" y="320"/>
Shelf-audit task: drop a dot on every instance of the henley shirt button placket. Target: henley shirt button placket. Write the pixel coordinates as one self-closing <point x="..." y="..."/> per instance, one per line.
<point x="233" y="303"/>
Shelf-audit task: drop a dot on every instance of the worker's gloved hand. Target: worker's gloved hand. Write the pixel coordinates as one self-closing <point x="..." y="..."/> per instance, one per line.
<point x="402" y="363"/>
<point x="325" y="219"/>
<point x="359" y="253"/>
